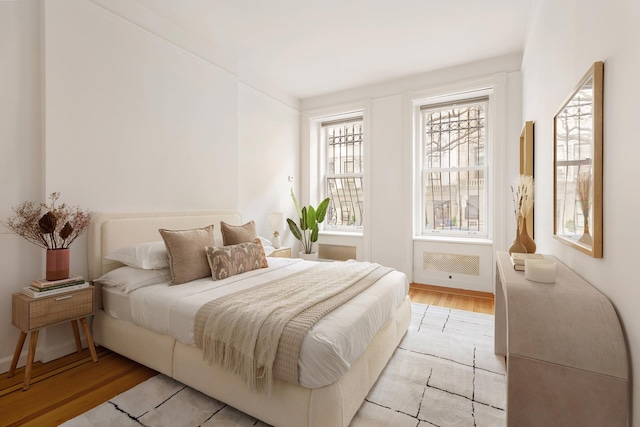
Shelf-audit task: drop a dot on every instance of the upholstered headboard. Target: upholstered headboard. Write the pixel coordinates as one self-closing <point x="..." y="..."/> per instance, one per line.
<point x="111" y="231"/>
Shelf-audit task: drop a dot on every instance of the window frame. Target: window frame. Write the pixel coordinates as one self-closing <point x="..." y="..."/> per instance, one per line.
<point x="471" y="96"/>
<point x="324" y="175"/>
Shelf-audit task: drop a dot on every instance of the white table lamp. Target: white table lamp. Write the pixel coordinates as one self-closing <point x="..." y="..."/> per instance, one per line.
<point x="276" y="223"/>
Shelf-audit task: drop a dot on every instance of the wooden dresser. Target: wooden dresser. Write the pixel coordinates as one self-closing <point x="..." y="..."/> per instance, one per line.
<point x="566" y="356"/>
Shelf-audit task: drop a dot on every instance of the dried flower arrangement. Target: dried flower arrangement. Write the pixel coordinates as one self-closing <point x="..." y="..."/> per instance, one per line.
<point x="522" y="197"/>
<point x="584" y="192"/>
<point x="57" y="228"/>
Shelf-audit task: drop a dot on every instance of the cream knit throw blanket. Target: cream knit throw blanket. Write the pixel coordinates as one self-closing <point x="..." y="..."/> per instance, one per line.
<point x="257" y="333"/>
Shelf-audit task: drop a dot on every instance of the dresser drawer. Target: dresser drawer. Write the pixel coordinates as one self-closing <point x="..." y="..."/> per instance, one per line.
<point x="30" y="313"/>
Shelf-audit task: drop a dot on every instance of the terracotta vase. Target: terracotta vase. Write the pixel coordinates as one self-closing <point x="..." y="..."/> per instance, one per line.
<point x="525" y="239"/>
<point x="517" y="245"/>
<point x="57" y="264"/>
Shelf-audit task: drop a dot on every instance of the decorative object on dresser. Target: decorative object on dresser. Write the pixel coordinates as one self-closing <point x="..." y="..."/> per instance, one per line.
<point x="540" y="270"/>
<point x="51" y="227"/>
<point x="308" y="231"/>
<point x="32" y="314"/>
<point x="518" y="259"/>
<point x="522" y="207"/>
<point x="578" y="152"/>
<point x="567" y="361"/>
<point x="276" y="224"/>
<point x="526" y="168"/>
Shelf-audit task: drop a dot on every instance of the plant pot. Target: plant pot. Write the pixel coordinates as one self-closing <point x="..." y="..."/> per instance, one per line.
<point x="57" y="264"/>
<point x="313" y="256"/>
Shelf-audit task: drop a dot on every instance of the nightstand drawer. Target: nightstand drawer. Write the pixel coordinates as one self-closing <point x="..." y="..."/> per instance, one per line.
<point x="50" y="310"/>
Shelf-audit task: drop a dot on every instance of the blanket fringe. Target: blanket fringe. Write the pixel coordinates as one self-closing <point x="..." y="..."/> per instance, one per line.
<point x="257" y="376"/>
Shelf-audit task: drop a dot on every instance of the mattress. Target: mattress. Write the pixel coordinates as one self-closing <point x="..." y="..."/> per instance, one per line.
<point x="327" y="351"/>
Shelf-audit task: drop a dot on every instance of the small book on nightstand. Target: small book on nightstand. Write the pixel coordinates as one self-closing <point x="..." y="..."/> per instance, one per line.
<point x="517" y="259"/>
<point x="49" y="284"/>
<point x="32" y="292"/>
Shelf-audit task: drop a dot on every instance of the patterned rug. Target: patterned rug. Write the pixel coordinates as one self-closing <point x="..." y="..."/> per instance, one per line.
<point x="444" y="373"/>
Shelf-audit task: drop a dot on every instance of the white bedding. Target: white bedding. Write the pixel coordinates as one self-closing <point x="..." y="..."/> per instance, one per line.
<point x="327" y="351"/>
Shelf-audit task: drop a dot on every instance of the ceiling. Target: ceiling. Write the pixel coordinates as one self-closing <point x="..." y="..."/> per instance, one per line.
<point x="306" y="48"/>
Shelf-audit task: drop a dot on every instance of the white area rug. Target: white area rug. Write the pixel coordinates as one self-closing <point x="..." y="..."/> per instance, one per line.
<point x="444" y="373"/>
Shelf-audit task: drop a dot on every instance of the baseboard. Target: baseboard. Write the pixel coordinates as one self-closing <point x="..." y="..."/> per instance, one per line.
<point x="42" y="355"/>
<point x="453" y="291"/>
<point x="61" y="350"/>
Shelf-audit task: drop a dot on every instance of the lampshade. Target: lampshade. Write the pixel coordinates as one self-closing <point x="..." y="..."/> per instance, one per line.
<point x="276" y="221"/>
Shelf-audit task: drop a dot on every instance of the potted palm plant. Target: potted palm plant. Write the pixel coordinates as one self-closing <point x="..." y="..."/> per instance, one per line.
<point x="308" y="229"/>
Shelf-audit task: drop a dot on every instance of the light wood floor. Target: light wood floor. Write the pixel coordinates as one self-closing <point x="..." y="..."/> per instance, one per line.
<point x="479" y="302"/>
<point x="69" y="386"/>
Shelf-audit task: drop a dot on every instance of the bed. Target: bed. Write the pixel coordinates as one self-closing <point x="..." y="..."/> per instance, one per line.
<point x="319" y="400"/>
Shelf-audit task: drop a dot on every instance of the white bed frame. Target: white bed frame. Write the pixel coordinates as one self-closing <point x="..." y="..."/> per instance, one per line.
<point x="289" y="404"/>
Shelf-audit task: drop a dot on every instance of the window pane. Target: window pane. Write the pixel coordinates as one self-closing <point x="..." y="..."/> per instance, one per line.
<point x="454" y="196"/>
<point x="346" y="205"/>
<point x="454" y="137"/>
<point x="344" y="148"/>
<point x="344" y="173"/>
<point x="455" y="201"/>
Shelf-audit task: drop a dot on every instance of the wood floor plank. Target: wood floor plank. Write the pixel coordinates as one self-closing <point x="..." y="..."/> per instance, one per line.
<point x="479" y="302"/>
<point x="43" y="371"/>
<point x="92" y="398"/>
<point x="64" y="388"/>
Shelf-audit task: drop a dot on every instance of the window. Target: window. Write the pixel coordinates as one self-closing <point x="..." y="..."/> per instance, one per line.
<point x="453" y="144"/>
<point x="344" y="173"/>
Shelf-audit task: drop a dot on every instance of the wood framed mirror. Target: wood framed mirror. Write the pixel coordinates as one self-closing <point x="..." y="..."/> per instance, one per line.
<point x="526" y="163"/>
<point x="577" y="180"/>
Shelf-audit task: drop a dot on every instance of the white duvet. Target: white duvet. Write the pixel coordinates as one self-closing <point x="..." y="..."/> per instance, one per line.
<point x="328" y="349"/>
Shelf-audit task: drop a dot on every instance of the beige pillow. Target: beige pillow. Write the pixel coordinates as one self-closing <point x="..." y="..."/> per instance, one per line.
<point x="187" y="253"/>
<point x="227" y="261"/>
<point x="234" y="234"/>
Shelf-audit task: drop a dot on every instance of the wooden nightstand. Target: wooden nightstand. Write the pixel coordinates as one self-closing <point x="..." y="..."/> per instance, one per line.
<point x="281" y="252"/>
<point x="30" y="314"/>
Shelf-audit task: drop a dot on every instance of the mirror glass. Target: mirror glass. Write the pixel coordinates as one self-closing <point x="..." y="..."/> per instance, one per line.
<point x="578" y="166"/>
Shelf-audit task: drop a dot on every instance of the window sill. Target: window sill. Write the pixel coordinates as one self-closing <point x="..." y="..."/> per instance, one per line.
<point x="451" y="239"/>
<point x="342" y="233"/>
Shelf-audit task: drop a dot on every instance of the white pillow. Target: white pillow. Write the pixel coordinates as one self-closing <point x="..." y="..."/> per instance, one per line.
<point x="148" y="256"/>
<point x="265" y="241"/>
<point x="128" y="279"/>
<point x="266" y="245"/>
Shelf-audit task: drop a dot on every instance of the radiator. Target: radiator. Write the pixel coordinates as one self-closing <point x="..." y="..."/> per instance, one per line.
<point x="451" y="263"/>
<point x="454" y="265"/>
<point x="336" y="252"/>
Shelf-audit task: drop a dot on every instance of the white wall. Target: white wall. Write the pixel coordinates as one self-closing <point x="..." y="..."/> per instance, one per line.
<point x="389" y="228"/>
<point x="148" y="125"/>
<point x="21" y="172"/>
<point x="566" y="38"/>
<point x="269" y="149"/>
<point x="387" y="195"/>
<point x="137" y="116"/>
